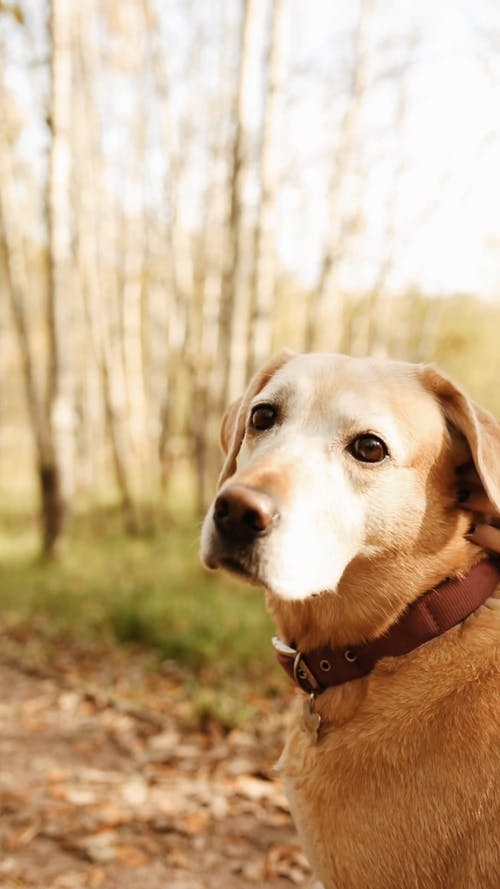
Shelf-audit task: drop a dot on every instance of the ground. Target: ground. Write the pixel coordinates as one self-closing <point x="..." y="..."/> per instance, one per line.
<point x="105" y="781"/>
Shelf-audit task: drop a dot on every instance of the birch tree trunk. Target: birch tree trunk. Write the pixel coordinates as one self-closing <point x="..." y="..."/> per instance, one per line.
<point x="263" y="278"/>
<point x="90" y="219"/>
<point x="230" y="302"/>
<point x="18" y="288"/>
<point x="205" y="418"/>
<point x="210" y="257"/>
<point x="52" y="420"/>
<point x="131" y="258"/>
<point x="179" y="277"/>
<point x="380" y="329"/>
<point x="322" y="331"/>
<point x="57" y="476"/>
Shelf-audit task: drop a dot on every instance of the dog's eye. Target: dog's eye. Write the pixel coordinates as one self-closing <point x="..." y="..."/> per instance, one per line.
<point x="263" y="416"/>
<point x="368" y="449"/>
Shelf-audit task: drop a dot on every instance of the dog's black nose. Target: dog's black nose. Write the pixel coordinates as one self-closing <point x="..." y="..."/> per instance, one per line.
<point x="241" y="514"/>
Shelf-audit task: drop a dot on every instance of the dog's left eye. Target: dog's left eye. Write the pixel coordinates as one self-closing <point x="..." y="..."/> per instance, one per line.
<point x="263" y="416"/>
<point x="368" y="449"/>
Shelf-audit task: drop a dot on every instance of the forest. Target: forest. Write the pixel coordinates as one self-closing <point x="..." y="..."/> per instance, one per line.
<point x="187" y="186"/>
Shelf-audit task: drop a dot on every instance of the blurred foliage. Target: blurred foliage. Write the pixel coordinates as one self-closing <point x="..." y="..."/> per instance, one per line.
<point x="146" y="590"/>
<point x="468" y="346"/>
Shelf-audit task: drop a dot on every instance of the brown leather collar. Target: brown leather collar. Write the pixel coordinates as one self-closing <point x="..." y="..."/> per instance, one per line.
<point x="435" y="612"/>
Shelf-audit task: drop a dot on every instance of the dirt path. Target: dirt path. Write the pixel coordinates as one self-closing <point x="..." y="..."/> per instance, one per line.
<point x="94" y="794"/>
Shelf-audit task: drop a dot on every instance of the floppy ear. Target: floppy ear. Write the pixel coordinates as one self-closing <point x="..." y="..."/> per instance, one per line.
<point x="477" y="425"/>
<point x="234" y="420"/>
<point x="228" y="424"/>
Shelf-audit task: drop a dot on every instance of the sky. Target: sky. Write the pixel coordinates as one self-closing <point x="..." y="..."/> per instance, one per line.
<point x="445" y="214"/>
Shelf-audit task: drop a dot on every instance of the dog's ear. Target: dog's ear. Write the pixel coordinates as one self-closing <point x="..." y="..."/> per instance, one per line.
<point x="477" y="425"/>
<point x="234" y="420"/>
<point x="228" y="424"/>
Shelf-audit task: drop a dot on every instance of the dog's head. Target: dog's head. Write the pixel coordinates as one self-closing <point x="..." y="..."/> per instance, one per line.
<point x="334" y="461"/>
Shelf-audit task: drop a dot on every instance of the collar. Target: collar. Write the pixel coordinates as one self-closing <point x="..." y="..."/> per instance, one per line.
<point x="435" y="612"/>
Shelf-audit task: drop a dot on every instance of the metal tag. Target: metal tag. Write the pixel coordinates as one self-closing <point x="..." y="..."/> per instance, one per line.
<point x="311" y="720"/>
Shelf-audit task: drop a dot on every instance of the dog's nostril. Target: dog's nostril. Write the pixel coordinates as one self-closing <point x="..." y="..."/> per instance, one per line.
<point x="242" y="514"/>
<point x="255" y="520"/>
<point x="221" y="508"/>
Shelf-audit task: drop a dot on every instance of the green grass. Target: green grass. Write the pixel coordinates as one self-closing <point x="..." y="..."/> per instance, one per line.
<point x="151" y="591"/>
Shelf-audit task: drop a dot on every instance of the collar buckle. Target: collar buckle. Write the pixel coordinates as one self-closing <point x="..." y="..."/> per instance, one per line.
<point x="300" y="671"/>
<point x="303" y="675"/>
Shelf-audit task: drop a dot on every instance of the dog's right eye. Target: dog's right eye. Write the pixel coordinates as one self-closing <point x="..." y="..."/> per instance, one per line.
<point x="368" y="449"/>
<point x="263" y="416"/>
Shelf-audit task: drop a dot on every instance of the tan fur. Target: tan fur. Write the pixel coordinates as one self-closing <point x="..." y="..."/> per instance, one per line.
<point x="402" y="790"/>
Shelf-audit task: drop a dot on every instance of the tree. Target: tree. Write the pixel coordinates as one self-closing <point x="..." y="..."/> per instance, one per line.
<point x="91" y="215"/>
<point x="325" y="293"/>
<point x="232" y="309"/>
<point x="51" y="424"/>
<point x="58" y="472"/>
<point x="263" y="275"/>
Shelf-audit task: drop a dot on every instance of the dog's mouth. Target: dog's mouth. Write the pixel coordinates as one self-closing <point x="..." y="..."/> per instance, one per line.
<point x="239" y="565"/>
<point x="234" y="566"/>
<point x="243" y="560"/>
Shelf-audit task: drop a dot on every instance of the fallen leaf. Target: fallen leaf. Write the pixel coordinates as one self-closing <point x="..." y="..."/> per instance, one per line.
<point x="96" y="877"/>
<point x="23" y="836"/>
<point x="131" y="856"/>
<point x="99" y="847"/>
<point x="135" y="792"/>
<point x="195" y="823"/>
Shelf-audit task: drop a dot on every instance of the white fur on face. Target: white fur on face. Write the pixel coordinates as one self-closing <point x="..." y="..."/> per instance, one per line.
<point x="315" y="541"/>
<point x="332" y="507"/>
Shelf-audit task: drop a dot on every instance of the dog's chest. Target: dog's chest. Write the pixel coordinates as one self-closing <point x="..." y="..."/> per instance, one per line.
<point x="385" y="800"/>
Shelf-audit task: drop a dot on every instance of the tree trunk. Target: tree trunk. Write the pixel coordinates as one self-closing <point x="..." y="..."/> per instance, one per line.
<point x="324" y="330"/>
<point x="179" y="277"/>
<point x="380" y="327"/>
<point x="90" y="235"/>
<point x="58" y="476"/>
<point x="18" y="286"/>
<point x="229" y="344"/>
<point x="263" y="279"/>
<point x="52" y="505"/>
<point x="210" y="260"/>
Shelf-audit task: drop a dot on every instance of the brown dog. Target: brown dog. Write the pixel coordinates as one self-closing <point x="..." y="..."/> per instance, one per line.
<point x="338" y="495"/>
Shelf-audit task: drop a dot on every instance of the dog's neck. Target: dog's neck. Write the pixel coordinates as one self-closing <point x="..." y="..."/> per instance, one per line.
<point x="370" y="597"/>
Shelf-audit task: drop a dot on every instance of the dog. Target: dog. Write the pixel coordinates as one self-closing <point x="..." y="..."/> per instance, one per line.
<point x="338" y="496"/>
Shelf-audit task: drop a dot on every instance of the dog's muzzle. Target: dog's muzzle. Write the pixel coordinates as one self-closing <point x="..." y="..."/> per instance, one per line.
<point x="239" y="520"/>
